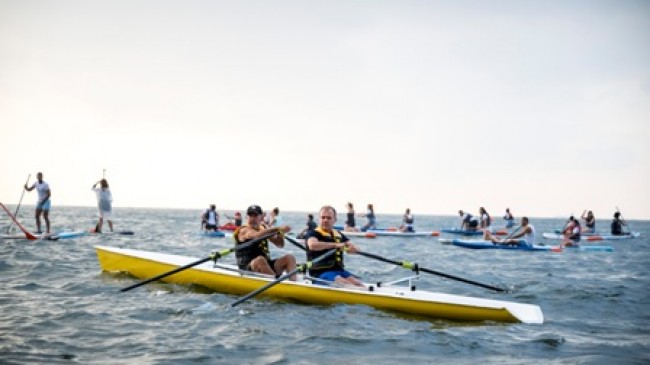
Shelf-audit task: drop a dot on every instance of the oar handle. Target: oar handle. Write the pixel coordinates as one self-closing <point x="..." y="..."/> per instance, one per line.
<point x="302" y="267"/>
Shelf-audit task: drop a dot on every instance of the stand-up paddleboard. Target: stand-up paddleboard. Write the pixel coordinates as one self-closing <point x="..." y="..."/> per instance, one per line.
<point x="473" y="232"/>
<point x="484" y="245"/>
<point x="594" y="237"/>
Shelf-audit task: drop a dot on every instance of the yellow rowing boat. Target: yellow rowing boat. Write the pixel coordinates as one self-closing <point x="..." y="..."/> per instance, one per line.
<point x="227" y="279"/>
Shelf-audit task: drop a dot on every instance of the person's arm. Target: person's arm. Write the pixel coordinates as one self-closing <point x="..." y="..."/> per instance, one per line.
<point x="30" y="188"/>
<point x="522" y="233"/>
<point x="278" y="239"/>
<point x="48" y="194"/>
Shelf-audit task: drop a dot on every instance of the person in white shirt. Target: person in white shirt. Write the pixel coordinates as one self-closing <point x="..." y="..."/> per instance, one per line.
<point x="43" y="204"/>
<point x="525" y="233"/>
<point x="104" y="204"/>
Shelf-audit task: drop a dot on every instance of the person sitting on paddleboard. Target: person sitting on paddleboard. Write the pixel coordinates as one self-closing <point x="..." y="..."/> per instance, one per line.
<point x="210" y="219"/>
<point x="257" y="257"/>
<point x="525" y="233"/>
<point x="572" y="232"/>
<point x="590" y="221"/>
<point x="323" y="239"/>
<point x="485" y="221"/>
<point x="370" y="215"/>
<point x="617" y="225"/>
<point x="407" y="221"/>
<point x="509" y="218"/>
<point x="467" y="221"/>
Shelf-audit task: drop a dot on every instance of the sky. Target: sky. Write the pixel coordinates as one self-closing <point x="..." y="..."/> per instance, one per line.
<point x="540" y="106"/>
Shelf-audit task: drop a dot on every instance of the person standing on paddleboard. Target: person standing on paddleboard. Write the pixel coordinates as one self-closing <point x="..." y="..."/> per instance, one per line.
<point x="509" y="218"/>
<point x="104" y="205"/>
<point x="43" y="204"/>
<point x="210" y="219"/>
<point x="350" y="223"/>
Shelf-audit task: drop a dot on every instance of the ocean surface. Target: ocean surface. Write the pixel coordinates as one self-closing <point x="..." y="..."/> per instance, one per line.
<point x="57" y="307"/>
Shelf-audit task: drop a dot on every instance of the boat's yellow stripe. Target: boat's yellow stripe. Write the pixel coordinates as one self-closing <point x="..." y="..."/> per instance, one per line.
<point x="144" y="268"/>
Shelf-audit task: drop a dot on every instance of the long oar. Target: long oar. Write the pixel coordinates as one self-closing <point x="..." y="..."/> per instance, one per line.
<point x="302" y="267"/>
<point x="25" y="231"/>
<point x="412" y="266"/>
<point x="213" y="256"/>
<point x="19" y="203"/>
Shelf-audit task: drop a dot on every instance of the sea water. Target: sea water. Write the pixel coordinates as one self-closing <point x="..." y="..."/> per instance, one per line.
<point x="57" y="307"/>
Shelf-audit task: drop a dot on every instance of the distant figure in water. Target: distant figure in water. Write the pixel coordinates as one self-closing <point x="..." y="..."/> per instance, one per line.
<point x="509" y="218"/>
<point x="571" y="232"/>
<point x="407" y="221"/>
<point x="370" y="216"/>
<point x="590" y="221"/>
<point x="310" y="225"/>
<point x="43" y="203"/>
<point x="350" y="223"/>
<point x="485" y="221"/>
<point x="467" y="221"/>
<point x="617" y="225"/>
<point x="275" y="220"/>
<point x="104" y="205"/>
<point x="210" y="219"/>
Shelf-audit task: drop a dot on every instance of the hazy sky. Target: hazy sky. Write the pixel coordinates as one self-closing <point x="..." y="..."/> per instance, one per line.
<point x="540" y="106"/>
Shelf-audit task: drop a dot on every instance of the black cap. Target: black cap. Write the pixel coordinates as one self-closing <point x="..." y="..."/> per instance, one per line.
<point x="254" y="209"/>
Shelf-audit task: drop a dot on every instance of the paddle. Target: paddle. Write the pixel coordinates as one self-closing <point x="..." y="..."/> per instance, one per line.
<point x="25" y="231"/>
<point x="303" y="267"/>
<point x="19" y="203"/>
<point x="213" y="256"/>
<point x="411" y="266"/>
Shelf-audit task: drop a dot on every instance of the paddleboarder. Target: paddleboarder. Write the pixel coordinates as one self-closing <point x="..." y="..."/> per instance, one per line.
<point x="210" y="219"/>
<point x="590" y="221"/>
<point x="617" y="225"/>
<point x="407" y="221"/>
<point x="525" y="232"/>
<point x="370" y="216"/>
<point x="43" y="204"/>
<point x="104" y="204"/>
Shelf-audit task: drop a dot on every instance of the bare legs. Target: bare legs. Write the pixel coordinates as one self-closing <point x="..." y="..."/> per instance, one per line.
<point x="46" y="217"/>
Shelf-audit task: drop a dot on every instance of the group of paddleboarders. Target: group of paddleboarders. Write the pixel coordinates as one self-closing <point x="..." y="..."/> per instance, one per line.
<point x="44" y="203"/>
<point x="573" y="230"/>
<point x="327" y="267"/>
<point x="484" y="220"/>
<point x="210" y="219"/>
<point x="371" y="220"/>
